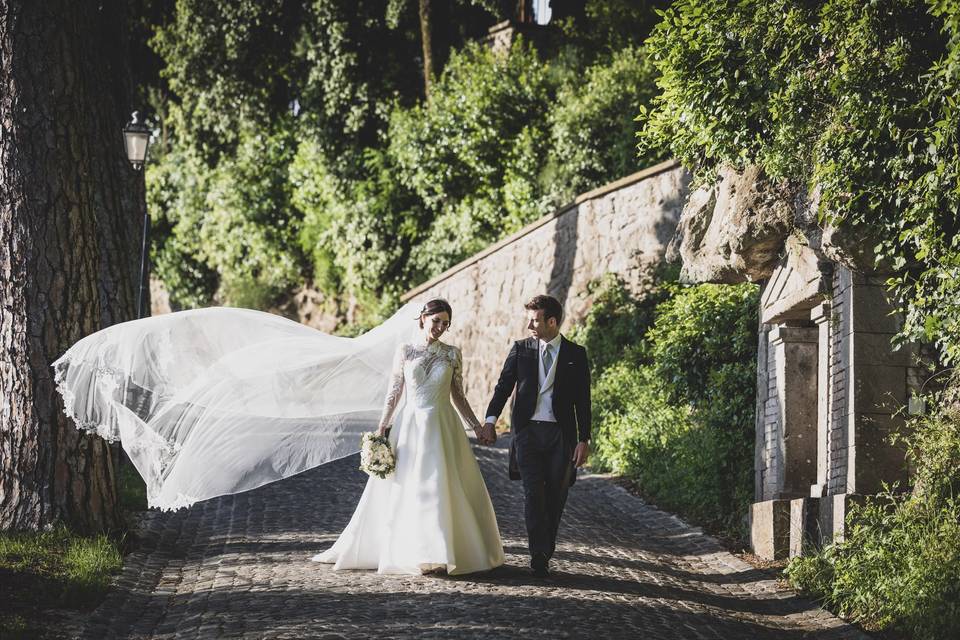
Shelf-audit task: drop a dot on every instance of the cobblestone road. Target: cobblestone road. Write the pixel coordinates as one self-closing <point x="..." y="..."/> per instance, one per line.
<point x="240" y="567"/>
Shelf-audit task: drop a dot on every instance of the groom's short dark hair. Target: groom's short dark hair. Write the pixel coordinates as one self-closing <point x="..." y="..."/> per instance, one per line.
<point x="550" y="306"/>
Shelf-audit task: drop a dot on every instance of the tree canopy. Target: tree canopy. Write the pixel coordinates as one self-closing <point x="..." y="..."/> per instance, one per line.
<point x="299" y="149"/>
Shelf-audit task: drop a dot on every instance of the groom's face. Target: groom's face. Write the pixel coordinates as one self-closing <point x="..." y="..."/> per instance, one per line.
<point x="541" y="328"/>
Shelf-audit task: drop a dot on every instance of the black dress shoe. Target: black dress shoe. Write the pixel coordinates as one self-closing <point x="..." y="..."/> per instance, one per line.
<point x="541" y="572"/>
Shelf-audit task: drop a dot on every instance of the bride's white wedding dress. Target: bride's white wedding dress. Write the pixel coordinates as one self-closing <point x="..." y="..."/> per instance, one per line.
<point x="434" y="511"/>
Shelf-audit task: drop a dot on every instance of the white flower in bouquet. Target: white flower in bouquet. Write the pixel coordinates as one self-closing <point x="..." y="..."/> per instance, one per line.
<point x="376" y="455"/>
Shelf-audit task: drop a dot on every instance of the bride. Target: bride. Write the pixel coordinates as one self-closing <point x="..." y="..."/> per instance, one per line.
<point x="211" y="402"/>
<point x="433" y="513"/>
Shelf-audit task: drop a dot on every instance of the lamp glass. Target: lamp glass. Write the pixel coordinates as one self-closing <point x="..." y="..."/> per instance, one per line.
<point x="136" y="144"/>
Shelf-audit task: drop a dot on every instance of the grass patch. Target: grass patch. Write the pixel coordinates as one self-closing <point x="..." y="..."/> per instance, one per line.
<point x="56" y="568"/>
<point x="14" y="626"/>
<point x="44" y="575"/>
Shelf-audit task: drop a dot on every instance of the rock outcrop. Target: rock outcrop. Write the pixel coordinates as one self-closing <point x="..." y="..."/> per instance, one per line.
<point x="737" y="229"/>
<point x="733" y="230"/>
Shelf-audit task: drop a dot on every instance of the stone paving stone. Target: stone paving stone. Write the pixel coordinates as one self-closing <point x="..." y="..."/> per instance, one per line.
<point x="239" y="567"/>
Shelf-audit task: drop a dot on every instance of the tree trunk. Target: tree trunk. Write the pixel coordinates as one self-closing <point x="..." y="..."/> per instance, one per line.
<point x="70" y="209"/>
<point x="425" y="37"/>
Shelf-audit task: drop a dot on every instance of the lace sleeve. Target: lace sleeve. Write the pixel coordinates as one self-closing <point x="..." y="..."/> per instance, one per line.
<point x="394" y="389"/>
<point x="458" y="396"/>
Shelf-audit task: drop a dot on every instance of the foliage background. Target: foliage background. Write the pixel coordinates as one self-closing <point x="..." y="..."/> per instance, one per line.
<point x="298" y="152"/>
<point x="675" y="371"/>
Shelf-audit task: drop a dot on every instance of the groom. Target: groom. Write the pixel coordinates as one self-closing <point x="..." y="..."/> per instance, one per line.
<point x="550" y="421"/>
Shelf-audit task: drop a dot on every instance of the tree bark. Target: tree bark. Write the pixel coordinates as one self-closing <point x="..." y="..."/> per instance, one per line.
<point x="425" y="37"/>
<point x="70" y="208"/>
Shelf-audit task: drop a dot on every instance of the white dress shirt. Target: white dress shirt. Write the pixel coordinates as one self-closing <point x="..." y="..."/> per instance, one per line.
<point x="544" y="408"/>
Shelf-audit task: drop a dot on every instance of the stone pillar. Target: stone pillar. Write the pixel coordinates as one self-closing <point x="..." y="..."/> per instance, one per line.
<point x="879" y="389"/>
<point x="820" y="315"/>
<point x="804" y="525"/>
<point x="770" y="529"/>
<point x="765" y="466"/>
<point x="796" y="389"/>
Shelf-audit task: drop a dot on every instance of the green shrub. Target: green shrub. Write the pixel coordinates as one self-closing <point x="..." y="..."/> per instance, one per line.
<point x="899" y="564"/>
<point x="699" y="332"/>
<point x="615" y="327"/>
<point x="231" y="230"/>
<point x="899" y="567"/>
<point x="358" y="233"/>
<point x="474" y="151"/>
<point x="672" y="412"/>
<point x="177" y="183"/>
<point x="593" y="125"/>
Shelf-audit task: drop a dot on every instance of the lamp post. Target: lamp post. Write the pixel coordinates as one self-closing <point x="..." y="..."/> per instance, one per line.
<point x="136" y="139"/>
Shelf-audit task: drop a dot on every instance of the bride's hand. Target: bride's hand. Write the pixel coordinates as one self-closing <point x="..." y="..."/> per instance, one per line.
<point x="478" y="431"/>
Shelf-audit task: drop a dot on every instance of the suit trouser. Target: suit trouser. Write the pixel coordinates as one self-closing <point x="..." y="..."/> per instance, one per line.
<point x="545" y="467"/>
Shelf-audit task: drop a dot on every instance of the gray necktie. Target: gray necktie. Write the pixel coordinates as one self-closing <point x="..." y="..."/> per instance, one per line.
<point x="547" y="359"/>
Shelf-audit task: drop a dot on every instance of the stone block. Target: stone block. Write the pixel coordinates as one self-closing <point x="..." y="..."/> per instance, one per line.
<point x="833" y="515"/>
<point x="804" y="525"/>
<point x="872" y="311"/>
<point x="878" y="461"/>
<point x="770" y="529"/>
<point x="875" y="349"/>
<point x="879" y="388"/>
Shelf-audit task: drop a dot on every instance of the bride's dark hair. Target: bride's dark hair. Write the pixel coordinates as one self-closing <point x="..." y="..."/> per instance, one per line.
<point x="437" y="305"/>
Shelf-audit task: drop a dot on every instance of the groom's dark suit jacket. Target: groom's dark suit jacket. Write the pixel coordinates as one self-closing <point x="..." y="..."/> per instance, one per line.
<point x="571" y="388"/>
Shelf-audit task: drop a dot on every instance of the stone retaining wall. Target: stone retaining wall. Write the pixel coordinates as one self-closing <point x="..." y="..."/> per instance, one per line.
<point x="621" y="228"/>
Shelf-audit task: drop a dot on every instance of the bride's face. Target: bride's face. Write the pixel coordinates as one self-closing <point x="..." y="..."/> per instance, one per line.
<point x="436" y="325"/>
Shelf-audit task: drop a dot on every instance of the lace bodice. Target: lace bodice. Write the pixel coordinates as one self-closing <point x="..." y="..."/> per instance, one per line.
<point x="429" y="374"/>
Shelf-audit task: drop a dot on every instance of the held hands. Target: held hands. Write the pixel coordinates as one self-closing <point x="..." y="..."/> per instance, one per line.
<point x="580" y="454"/>
<point x="486" y="433"/>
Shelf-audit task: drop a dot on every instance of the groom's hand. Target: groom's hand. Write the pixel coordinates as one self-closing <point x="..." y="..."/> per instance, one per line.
<point x="489" y="433"/>
<point x="580" y="454"/>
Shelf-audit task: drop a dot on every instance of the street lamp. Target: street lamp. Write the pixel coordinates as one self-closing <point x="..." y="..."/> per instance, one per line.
<point x="136" y="139"/>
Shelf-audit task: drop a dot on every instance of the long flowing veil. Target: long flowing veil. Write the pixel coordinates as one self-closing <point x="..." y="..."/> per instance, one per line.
<point x="216" y="401"/>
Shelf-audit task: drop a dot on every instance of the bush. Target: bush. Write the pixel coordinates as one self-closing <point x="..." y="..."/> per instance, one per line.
<point x="473" y="152"/>
<point x="898" y="568"/>
<point x="614" y="329"/>
<point x="358" y="233"/>
<point x="706" y="334"/>
<point x="177" y="183"/>
<point x="899" y="565"/>
<point x="593" y="125"/>
<point x="231" y="231"/>
<point x="673" y="414"/>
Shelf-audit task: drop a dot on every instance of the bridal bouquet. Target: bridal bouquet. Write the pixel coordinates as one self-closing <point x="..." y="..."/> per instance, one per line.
<point x="376" y="455"/>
